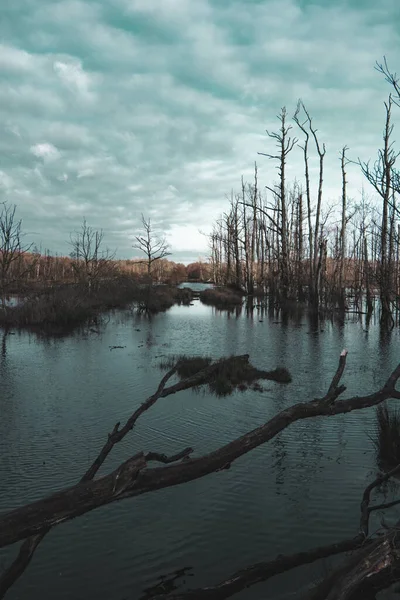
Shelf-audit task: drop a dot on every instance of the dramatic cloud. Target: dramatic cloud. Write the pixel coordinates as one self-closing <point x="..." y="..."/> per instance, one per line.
<point x="110" y="109"/>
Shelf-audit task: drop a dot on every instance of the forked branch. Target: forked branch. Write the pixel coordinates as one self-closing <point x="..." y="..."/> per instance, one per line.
<point x="134" y="477"/>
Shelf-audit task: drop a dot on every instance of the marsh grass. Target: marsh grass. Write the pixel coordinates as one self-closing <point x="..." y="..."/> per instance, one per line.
<point x="231" y="374"/>
<point x="223" y="298"/>
<point x="159" y="298"/>
<point x="68" y="306"/>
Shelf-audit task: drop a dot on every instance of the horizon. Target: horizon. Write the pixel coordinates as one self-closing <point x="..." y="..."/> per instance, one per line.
<point x="113" y="110"/>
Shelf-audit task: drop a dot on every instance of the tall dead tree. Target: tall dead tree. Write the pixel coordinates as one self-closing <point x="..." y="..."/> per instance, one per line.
<point x="380" y="176"/>
<point x="342" y="244"/>
<point x="303" y="128"/>
<point x="316" y="244"/>
<point x="285" y="145"/>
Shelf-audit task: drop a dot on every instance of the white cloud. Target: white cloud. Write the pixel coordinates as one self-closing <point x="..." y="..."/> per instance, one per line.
<point x="185" y="238"/>
<point x="73" y="76"/>
<point x="46" y="151"/>
<point x="15" y="60"/>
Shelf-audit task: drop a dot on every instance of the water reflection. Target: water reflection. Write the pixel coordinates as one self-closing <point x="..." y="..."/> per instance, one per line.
<point x="4" y="344"/>
<point x="60" y="397"/>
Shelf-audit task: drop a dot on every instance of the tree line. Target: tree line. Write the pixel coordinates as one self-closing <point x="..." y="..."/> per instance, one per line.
<point x="89" y="262"/>
<point x="284" y="242"/>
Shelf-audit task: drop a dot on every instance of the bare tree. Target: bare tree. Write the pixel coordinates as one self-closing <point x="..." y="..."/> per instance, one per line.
<point x="285" y="145"/>
<point x="302" y="126"/>
<point x="380" y="176"/>
<point x="12" y="250"/>
<point x="153" y="246"/>
<point x="317" y="243"/>
<point x="342" y="245"/>
<point x="90" y="262"/>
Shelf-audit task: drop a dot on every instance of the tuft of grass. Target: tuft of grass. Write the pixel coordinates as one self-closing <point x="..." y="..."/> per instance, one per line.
<point x="67" y="306"/>
<point x="229" y="374"/>
<point x="187" y="365"/>
<point x="223" y="298"/>
<point x="387" y="436"/>
<point x="159" y="298"/>
<point x="240" y="374"/>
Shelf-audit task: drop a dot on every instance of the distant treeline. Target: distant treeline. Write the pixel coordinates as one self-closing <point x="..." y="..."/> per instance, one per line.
<point x="46" y="268"/>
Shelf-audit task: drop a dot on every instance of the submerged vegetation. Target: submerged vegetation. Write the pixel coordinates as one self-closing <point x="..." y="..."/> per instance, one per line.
<point x="221" y="297"/>
<point x="229" y="374"/>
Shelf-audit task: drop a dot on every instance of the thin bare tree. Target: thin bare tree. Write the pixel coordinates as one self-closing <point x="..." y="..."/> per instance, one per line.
<point x="285" y="145"/>
<point x="90" y="262"/>
<point x="12" y="250"/>
<point x="380" y="176"/>
<point x="152" y="245"/>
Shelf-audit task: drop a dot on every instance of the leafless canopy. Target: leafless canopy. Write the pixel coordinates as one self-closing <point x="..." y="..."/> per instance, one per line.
<point x="390" y="78"/>
<point x="153" y="246"/>
<point x="11" y="249"/>
<point x="90" y="262"/>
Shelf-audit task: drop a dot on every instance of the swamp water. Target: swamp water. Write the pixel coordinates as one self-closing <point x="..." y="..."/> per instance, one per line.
<point x="60" y="397"/>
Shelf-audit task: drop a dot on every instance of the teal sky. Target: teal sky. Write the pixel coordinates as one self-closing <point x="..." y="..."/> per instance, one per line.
<point x="113" y="108"/>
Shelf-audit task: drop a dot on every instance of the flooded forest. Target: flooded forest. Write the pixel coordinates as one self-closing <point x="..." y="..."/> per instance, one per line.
<point x="221" y="429"/>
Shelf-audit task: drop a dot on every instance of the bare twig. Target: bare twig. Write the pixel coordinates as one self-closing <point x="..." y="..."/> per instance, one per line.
<point x="365" y="508"/>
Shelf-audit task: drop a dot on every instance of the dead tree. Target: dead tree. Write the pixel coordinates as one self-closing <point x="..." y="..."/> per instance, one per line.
<point x="12" y="251"/>
<point x="302" y="127"/>
<point x="316" y="241"/>
<point x="152" y="245"/>
<point x="90" y="262"/>
<point x="380" y="176"/>
<point x="342" y="245"/>
<point x="285" y="145"/>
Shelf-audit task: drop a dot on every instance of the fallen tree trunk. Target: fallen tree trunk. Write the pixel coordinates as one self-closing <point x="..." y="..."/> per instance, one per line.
<point x="133" y="478"/>
<point x="373" y="563"/>
<point x="27" y="549"/>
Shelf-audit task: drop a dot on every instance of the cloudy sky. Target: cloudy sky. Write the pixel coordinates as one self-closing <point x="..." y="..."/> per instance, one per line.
<point x="113" y="108"/>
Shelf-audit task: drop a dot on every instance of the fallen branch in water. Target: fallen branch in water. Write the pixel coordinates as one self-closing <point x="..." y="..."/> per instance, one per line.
<point x="196" y="378"/>
<point x="133" y="477"/>
<point x="373" y="558"/>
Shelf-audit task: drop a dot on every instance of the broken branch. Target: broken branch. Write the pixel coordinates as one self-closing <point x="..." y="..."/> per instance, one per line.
<point x="67" y="504"/>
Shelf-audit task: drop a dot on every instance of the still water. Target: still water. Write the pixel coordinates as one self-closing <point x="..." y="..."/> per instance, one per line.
<point x="59" y="398"/>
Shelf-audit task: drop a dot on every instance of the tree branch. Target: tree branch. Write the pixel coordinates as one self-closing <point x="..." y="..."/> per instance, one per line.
<point x="265" y="570"/>
<point x="138" y="479"/>
<point x="29" y="545"/>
